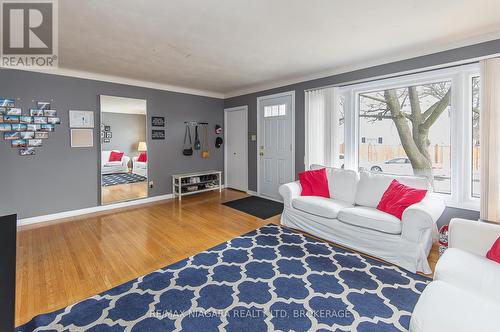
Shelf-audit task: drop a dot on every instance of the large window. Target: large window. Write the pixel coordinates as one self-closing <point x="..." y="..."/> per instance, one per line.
<point x="406" y="131"/>
<point x="420" y="124"/>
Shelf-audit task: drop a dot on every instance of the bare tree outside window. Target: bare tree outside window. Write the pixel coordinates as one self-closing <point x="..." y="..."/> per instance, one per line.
<point x="414" y="112"/>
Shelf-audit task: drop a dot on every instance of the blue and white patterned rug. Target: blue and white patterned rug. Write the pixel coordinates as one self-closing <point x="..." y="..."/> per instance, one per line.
<point x="121" y="178"/>
<point x="269" y="279"/>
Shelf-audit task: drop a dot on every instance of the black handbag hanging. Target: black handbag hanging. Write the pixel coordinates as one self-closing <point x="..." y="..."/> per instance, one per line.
<point x="197" y="144"/>
<point x="187" y="151"/>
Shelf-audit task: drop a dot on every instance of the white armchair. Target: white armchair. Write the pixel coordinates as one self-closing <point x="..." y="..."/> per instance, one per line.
<point x="139" y="167"/>
<point x="113" y="167"/>
<point x="465" y="293"/>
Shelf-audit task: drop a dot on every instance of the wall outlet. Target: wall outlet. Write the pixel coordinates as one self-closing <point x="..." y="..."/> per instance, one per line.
<point x="151" y="184"/>
<point x="253" y="137"/>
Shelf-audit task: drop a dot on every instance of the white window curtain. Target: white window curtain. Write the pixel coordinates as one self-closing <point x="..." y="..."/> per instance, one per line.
<point x="321" y="127"/>
<point x="490" y="140"/>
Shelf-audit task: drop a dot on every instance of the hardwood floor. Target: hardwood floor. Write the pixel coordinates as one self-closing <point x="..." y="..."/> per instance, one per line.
<point x="63" y="262"/>
<point x="124" y="192"/>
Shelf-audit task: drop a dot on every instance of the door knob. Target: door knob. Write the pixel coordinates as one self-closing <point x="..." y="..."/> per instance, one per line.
<point x="261" y="154"/>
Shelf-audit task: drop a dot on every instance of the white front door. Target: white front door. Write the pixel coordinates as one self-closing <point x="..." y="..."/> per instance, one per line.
<point x="236" y="147"/>
<point x="275" y="143"/>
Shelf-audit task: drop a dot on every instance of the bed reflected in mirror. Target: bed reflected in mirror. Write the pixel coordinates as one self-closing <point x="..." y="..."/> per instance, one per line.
<point x="124" y="159"/>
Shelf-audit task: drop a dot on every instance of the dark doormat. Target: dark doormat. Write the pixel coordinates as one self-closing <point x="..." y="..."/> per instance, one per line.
<point x="256" y="206"/>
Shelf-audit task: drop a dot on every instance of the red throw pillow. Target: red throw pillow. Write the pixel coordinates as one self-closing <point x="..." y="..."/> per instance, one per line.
<point x="314" y="183"/>
<point x="142" y="157"/>
<point x="398" y="197"/>
<point x="115" y="156"/>
<point x="494" y="252"/>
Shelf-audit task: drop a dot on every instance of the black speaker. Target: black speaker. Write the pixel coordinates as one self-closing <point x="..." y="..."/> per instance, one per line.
<point x="8" y="232"/>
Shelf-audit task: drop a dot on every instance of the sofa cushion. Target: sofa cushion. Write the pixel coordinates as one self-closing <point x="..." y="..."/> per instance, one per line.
<point x="341" y="183"/>
<point x="314" y="183"/>
<point x="494" y="252"/>
<point x="398" y="197"/>
<point x="371" y="186"/>
<point x="319" y="206"/>
<point x="470" y="272"/>
<point x="371" y="218"/>
<point x="115" y="156"/>
<point x="444" y="307"/>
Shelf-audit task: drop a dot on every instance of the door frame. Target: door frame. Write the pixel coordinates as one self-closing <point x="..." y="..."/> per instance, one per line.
<point x="226" y="111"/>
<point x="259" y="101"/>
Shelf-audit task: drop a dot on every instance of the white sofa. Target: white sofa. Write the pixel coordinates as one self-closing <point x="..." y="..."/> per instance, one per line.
<point x="113" y="167"/>
<point x="465" y="293"/>
<point x="139" y="167"/>
<point x="351" y="219"/>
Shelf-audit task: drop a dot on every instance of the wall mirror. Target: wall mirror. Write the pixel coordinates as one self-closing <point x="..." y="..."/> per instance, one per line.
<point x="124" y="159"/>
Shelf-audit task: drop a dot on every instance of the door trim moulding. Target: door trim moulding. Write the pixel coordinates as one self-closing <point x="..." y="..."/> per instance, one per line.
<point x="232" y="109"/>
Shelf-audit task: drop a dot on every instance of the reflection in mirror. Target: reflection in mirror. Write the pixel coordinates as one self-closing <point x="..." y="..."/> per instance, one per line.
<point x="124" y="160"/>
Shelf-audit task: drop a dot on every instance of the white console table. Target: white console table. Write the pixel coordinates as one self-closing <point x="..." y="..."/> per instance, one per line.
<point x="197" y="182"/>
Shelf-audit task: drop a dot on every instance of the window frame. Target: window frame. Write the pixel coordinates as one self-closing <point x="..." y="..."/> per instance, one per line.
<point x="460" y="122"/>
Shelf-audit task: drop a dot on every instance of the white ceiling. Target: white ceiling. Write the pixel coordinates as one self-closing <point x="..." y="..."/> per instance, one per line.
<point x="226" y="46"/>
<point x="112" y="104"/>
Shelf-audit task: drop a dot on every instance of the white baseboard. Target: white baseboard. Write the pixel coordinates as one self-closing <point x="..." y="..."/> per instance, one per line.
<point x="253" y="193"/>
<point x="74" y="213"/>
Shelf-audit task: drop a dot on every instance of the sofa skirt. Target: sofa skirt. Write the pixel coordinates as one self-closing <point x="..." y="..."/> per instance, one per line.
<point x="392" y="248"/>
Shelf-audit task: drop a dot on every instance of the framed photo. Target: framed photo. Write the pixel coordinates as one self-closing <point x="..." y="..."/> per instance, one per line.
<point x="41" y="135"/>
<point x="14" y="111"/>
<point x="27" y="152"/>
<point x="19" y="127"/>
<point x="158" y="121"/>
<point x="157" y="134"/>
<point x="27" y="135"/>
<point x="107" y="128"/>
<point x="11" y="135"/>
<point x="5" y="102"/>
<point x="43" y="105"/>
<point x="81" y="119"/>
<point x="106" y="140"/>
<point x="26" y="119"/>
<point x="109" y="134"/>
<point x="102" y="134"/>
<point x="82" y="138"/>
<point x="40" y="119"/>
<point x="11" y="119"/>
<point x="5" y="127"/>
<point x="54" y="120"/>
<point x="36" y="112"/>
<point x="33" y="127"/>
<point x="35" y="142"/>
<point x="52" y="113"/>
<point x="19" y="143"/>
<point x="47" y="127"/>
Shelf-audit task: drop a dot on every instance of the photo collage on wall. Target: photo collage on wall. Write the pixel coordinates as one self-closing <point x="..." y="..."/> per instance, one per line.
<point x="26" y="131"/>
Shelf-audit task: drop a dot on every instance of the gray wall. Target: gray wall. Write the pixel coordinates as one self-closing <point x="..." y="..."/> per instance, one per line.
<point x="127" y="131"/>
<point x="60" y="178"/>
<point x="459" y="54"/>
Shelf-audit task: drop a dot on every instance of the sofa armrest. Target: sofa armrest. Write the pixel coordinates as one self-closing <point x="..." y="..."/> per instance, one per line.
<point x="476" y="237"/>
<point x="421" y="216"/>
<point x="289" y="191"/>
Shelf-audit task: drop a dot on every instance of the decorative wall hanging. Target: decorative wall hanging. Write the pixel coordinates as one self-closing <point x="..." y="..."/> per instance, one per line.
<point x="81" y="119"/>
<point x="82" y="138"/>
<point x="158" y="121"/>
<point x="106" y="133"/>
<point x="26" y="132"/>
<point x="157" y="134"/>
